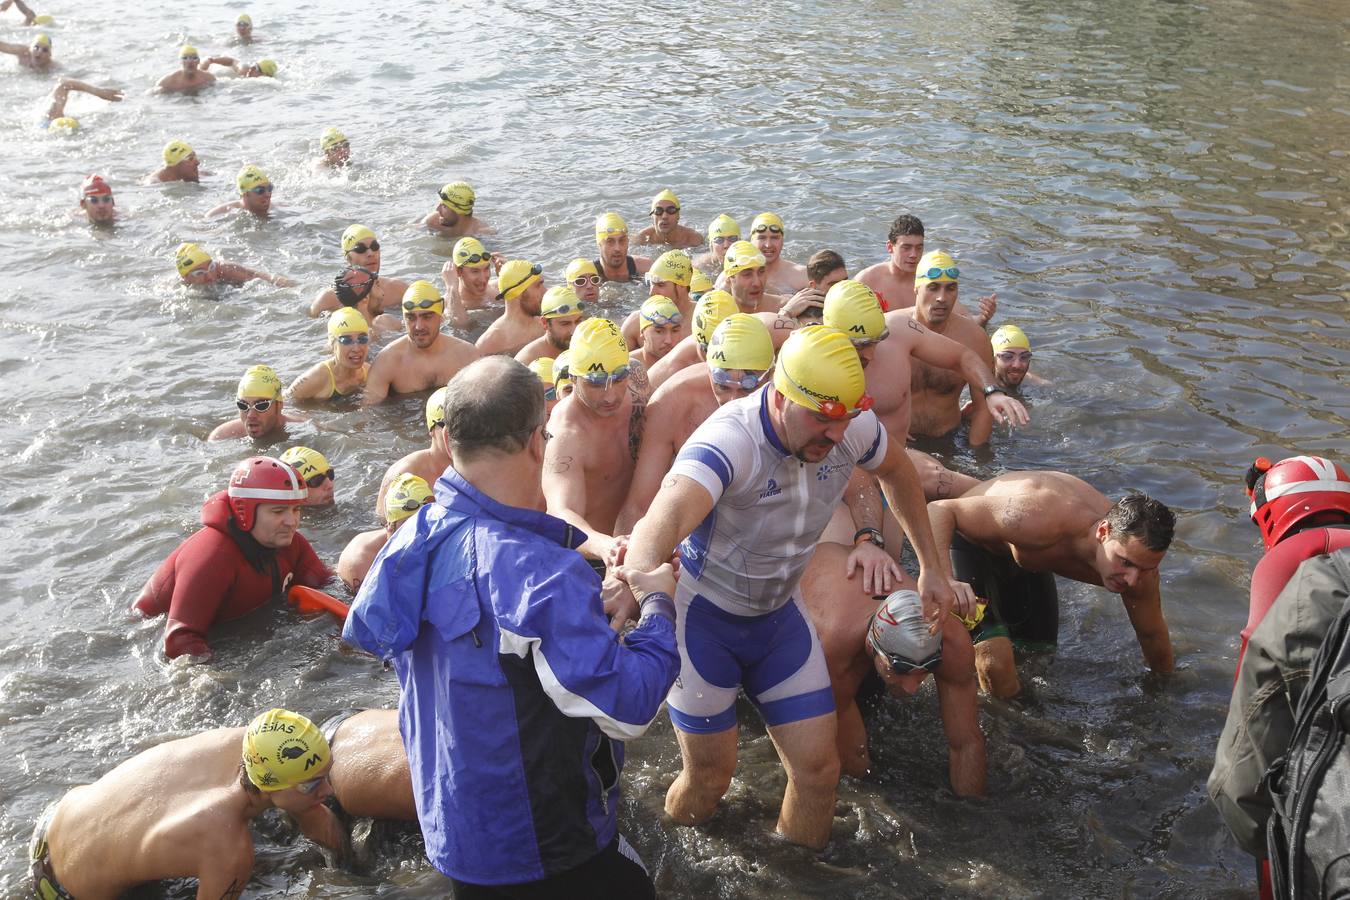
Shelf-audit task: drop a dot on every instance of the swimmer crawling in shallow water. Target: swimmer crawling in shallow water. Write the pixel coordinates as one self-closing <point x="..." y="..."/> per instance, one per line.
<point x="255" y="194"/>
<point x="197" y="267"/>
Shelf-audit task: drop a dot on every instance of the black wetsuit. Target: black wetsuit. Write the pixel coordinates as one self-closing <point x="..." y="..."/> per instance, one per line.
<point x="1023" y="606"/>
<point x="632" y="271"/>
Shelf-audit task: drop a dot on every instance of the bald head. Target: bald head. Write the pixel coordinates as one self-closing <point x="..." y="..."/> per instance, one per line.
<point x="492" y="406"/>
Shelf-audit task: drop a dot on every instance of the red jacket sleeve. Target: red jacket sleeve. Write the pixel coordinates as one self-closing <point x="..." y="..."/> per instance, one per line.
<point x="204" y="573"/>
<point x="305" y="563"/>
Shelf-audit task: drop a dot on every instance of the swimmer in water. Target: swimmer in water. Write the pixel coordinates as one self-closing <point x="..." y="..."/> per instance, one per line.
<point x="560" y="312"/>
<point x="614" y="263"/>
<point x="182" y="810"/>
<point x="709" y="311"/>
<point x="1012" y="363"/>
<point x="196" y="267"/>
<point x="722" y="233"/>
<point x="594" y="438"/>
<point x="260" y="417"/>
<point x="406" y="495"/>
<point x="377" y="296"/>
<point x="543" y="370"/>
<point x="521" y="287"/>
<point x="469" y="284"/>
<point x="334" y="149"/>
<point x="191" y="76"/>
<point x="424" y="357"/>
<point x="661" y="324"/>
<point x="781" y="275"/>
<point x="427" y="463"/>
<point x="745" y="273"/>
<point x="453" y="216"/>
<point x="315" y="471"/>
<point x="562" y="378"/>
<point x="669" y="277"/>
<point x="96" y="200"/>
<point x="584" y="278"/>
<point x="1009" y="536"/>
<point x="824" y="270"/>
<point x="255" y="194"/>
<point x="56" y="111"/>
<point x="243" y="29"/>
<point x="666" y="229"/>
<point x="29" y="17"/>
<point x="763" y="475"/>
<point x="263" y="68"/>
<point x="892" y="280"/>
<point x="180" y="163"/>
<point x="346" y="371"/>
<point x="37" y="55"/>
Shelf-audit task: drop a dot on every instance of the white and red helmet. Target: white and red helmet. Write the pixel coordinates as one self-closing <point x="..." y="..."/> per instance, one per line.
<point x="1289" y="491"/>
<point x="93" y="185"/>
<point x="263" y="481"/>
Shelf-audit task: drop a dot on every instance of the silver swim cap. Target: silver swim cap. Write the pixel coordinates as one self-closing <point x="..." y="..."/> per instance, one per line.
<point x="900" y="632"/>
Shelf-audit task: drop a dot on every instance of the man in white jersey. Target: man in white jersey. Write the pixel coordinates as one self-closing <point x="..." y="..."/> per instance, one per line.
<point x="749" y="495"/>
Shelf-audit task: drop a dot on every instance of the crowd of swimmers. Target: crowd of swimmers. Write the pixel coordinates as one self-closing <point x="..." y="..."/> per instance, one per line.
<point x="785" y="392"/>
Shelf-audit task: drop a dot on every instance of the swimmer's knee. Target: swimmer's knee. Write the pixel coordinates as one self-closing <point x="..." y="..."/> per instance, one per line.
<point x="996" y="668"/>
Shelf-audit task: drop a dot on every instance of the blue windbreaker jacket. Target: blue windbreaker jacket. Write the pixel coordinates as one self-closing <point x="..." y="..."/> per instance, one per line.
<point x="516" y="693"/>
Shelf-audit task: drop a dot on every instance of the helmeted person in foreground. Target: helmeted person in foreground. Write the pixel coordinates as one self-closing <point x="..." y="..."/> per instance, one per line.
<point x="181" y="810"/>
<point x="516" y="694"/>
<point x="748" y="497"/>
<point x="1302" y="505"/>
<point x="247" y="552"/>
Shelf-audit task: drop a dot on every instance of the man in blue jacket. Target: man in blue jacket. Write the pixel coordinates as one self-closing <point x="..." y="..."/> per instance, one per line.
<point x="516" y="694"/>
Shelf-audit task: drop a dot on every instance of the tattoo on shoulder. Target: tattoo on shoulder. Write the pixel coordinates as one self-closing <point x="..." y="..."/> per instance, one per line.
<point x="639" y="385"/>
<point x="561" y="464"/>
<point x="915" y="325"/>
<point x="1014" y="514"/>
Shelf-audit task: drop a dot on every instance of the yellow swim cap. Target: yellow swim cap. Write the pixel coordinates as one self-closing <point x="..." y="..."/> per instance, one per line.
<point x="459" y="196"/>
<point x="936" y="265"/>
<point x="560" y="302"/>
<point x="176" y="151"/>
<point x="852" y="307"/>
<point x="579" y="267"/>
<point x="543" y="369"/>
<point x="283" y="749"/>
<point x="819" y="369"/>
<point x="347" y="320"/>
<point x="1010" y="336"/>
<point x="42" y="40"/>
<point x="561" y="367"/>
<point x="699" y="282"/>
<point x="306" y="462"/>
<point x="355" y="234"/>
<point x="64" y="122"/>
<point x="516" y="277"/>
<point x="422" y="294"/>
<point x="741" y="341"/>
<point x="187" y="50"/>
<point x="331" y="138"/>
<point x="405" y="496"/>
<point x="189" y="257"/>
<point x="259" y="381"/>
<point x="467" y="247"/>
<point x="268" y="67"/>
<point x="766" y="222"/>
<point x="741" y="256"/>
<point x="250" y="177"/>
<point x="44" y="19"/>
<point x="724" y="226"/>
<point x="609" y="224"/>
<point x="597" y="349"/>
<point x="666" y="196"/>
<point x="436" y="408"/>
<point x="709" y="312"/>
<point x="658" y="310"/>
<point x="673" y="265"/>
<point x="244" y="19"/>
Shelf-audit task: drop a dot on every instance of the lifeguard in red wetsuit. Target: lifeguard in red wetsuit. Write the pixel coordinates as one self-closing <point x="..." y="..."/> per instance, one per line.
<point x="247" y="552"/>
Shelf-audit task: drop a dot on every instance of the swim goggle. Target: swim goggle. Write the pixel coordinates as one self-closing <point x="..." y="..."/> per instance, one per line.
<point x="347" y="340"/>
<point x="604" y="379"/>
<point x="410" y="305"/>
<point x="373" y="246"/>
<point x="719" y="241"/>
<point x="181" y="58"/>
<point x="832" y="409"/>
<point x="454" y="205"/>
<point x="96" y="199"/>
<point x="200" y="272"/>
<point x="566" y="310"/>
<point x="315" y="481"/>
<point x="550" y="394"/>
<point x="259" y="405"/>
<point x="1013" y="355"/>
<point x="411" y="504"/>
<point x="902" y="666"/>
<point x="772" y="229"/>
<point x="586" y="279"/>
<point x="748" y="382"/>
<point x="261" y="189"/>
<point x="870" y="342"/>
<point x="309" y="787"/>
<point x="658" y="319"/>
<point x="473" y="258"/>
<point x="664" y="210"/>
<point x="535" y="269"/>
<point x="937" y="272"/>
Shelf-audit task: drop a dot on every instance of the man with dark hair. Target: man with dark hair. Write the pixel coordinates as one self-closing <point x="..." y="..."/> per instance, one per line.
<point x="824" y="269"/>
<point x="1009" y="536"/>
<point x="893" y="279"/>
<point x="516" y="694"/>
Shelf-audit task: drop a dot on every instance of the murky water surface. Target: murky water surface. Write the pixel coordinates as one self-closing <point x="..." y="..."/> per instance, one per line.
<point x="1156" y="191"/>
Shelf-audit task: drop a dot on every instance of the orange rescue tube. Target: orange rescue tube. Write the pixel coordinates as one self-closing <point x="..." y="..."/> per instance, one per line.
<point x="308" y="599"/>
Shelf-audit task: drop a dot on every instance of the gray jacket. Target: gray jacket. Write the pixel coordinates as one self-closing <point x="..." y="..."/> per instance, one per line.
<point x="1270" y="681"/>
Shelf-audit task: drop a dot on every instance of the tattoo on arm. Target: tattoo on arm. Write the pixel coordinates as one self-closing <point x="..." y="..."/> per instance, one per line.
<point x="1014" y="514"/>
<point x="635" y="426"/>
<point x="915" y="325"/>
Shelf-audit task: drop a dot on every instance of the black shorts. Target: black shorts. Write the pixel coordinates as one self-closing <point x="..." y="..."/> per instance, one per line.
<point x="615" y="872"/>
<point x="1023" y="606"/>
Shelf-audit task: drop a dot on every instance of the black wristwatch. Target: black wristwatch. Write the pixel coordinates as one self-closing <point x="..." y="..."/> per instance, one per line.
<point x="994" y="389"/>
<point x="871" y="534"/>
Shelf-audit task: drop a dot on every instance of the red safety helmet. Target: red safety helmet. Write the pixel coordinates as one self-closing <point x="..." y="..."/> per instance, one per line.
<point x="263" y="481"/>
<point x="94" y="184"/>
<point x="1289" y="491"/>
